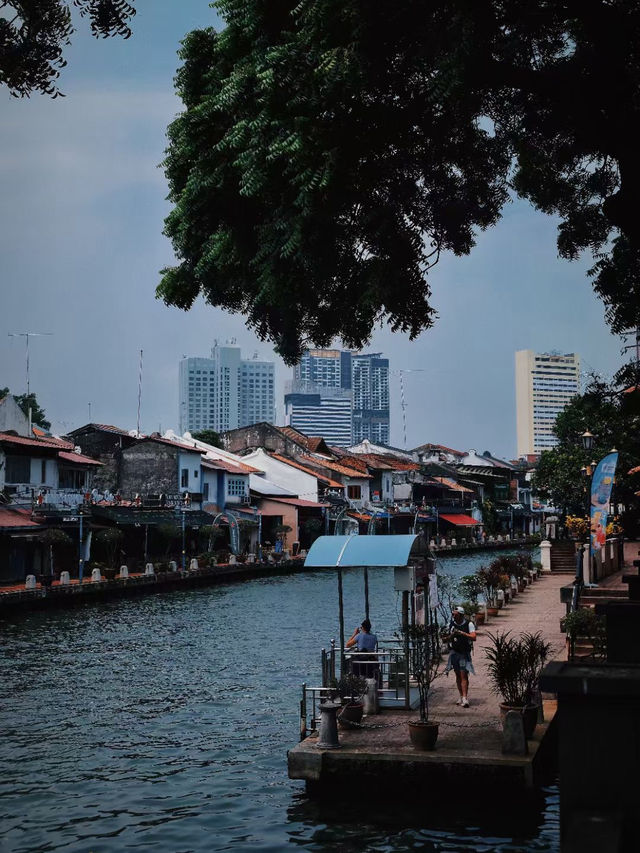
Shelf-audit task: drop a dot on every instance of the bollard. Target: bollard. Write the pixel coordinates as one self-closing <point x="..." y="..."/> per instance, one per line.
<point x="251" y="558"/>
<point x="193" y="564"/>
<point x="30" y="582"/>
<point x="513" y="739"/>
<point x="173" y="566"/>
<point x="65" y="578"/>
<point x="149" y="570"/>
<point x="328" y="737"/>
<point x="453" y="543"/>
<point x="303" y="553"/>
<point x="124" y="571"/>
<point x="286" y="555"/>
<point x="443" y="543"/>
<point x="95" y="575"/>
<point x="232" y="559"/>
<point x="371" y="705"/>
<point x="432" y="543"/>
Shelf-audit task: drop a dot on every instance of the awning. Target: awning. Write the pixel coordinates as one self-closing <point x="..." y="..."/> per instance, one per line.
<point x="365" y="550"/>
<point x="460" y="520"/>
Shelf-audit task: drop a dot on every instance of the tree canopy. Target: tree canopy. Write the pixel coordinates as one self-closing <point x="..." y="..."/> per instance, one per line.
<point x="34" y="34"/>
<point x="209" y="436"/>
<point x="330" y="150"/>
<point x="26" y="402"/>
<point x="614" y="419"/>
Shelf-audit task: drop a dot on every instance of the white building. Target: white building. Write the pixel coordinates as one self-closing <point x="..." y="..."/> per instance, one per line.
<point x="545" y="384"/>
<point x="224" y="391"/>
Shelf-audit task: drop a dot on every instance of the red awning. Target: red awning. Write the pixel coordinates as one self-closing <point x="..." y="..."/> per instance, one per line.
<point x="460" y="520"/>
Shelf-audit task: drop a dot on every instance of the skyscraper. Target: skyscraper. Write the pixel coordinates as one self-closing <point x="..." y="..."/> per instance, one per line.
<point x="326" y="381"/>
<point x="225" y="391"/>
<point x="545" y="383"/>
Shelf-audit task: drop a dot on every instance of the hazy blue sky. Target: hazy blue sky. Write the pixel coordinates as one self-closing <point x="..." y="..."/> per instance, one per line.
<point x="82" y="203"/>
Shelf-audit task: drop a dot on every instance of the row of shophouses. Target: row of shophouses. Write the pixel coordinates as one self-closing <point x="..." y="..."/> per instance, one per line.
<point x="268" y="488"/>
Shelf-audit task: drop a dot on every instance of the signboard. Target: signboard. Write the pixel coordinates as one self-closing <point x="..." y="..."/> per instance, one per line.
<point x="601" y="486"/>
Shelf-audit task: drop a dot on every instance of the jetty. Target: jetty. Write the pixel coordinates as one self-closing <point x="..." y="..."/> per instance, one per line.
<point x="470" y="740"/>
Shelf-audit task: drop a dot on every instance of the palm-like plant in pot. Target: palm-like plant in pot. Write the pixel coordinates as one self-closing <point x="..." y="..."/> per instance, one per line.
<point x="514" y="665"/>
<point x="470" y="587"/>
<point x="491" y="577"/>
<point x="424" y="661"/>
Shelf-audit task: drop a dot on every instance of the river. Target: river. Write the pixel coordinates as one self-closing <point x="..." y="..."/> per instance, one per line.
<point x="162" y="723"/>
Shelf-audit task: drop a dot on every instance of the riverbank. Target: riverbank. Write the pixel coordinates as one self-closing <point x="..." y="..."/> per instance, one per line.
<point x="16" y="597"/>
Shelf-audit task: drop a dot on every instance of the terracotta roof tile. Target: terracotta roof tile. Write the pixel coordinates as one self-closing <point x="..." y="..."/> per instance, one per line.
<point x="16" y="518"/>
<point x="333" y="484"/>
<point x="334" y="466"/>
<point x="78" y="458"/>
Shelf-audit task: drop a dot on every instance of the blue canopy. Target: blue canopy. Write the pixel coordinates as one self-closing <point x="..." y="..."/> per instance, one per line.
<point x="365" y="550"/>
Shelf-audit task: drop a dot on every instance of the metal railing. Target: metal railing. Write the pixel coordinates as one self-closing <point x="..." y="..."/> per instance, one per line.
<point x="392" y="674"/>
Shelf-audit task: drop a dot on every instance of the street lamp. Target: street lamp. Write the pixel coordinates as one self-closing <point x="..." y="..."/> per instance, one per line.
<point x="587" y="439"/>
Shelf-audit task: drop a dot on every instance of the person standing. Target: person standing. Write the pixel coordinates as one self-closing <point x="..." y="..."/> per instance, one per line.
<point x="366" y="643"/>
<point x="461" y="635"/>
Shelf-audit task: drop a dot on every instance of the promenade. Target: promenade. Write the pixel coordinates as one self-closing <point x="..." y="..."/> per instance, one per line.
<point x="470" y="739"/>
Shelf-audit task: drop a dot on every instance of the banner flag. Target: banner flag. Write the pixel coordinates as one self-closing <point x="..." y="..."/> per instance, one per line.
<point x="601" y="486"/>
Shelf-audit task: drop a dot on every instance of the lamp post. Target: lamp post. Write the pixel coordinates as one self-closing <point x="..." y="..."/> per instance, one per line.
<point x="588" y="438"/>
<point x="81" y="555"/>
<point x="182" y="510"/>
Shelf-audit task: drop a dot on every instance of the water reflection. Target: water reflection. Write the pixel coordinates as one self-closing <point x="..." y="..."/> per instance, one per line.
<point x="162" y="723"/>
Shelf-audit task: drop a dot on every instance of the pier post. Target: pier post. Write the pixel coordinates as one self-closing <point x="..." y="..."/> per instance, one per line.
<point x="545" y="555"/>
<point x="328" y="738"/>
<point x="30" y="582"/>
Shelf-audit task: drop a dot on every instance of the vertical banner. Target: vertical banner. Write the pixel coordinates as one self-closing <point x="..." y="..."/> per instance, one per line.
<point x="601" y="486"/>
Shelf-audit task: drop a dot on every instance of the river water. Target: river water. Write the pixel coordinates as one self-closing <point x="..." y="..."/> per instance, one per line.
<point x="162" y="724"/>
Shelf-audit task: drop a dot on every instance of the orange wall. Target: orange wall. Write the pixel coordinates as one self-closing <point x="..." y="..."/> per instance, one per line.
<point x="289" y="515"/>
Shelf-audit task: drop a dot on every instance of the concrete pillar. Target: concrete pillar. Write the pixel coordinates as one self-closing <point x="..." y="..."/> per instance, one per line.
<point x="193" y="564"/>
<point x="286" y="555"/>
<point x="371" y="704"/>
<point x="328" y="737"/>
<point x="149" y="570"/>
<point x="303" y="553"/>
<point x="453" y="543"/>
<point x="251" y="558"/>
<point x="545" y="555"/>
<point x="443" y="543"/>
<point x="30" y="582"/>
<point x="432" y="543"/>
<point x="124" y="571"/>
<point x="232" y="559"/>
<point x="65" y="578"/>
<point x="96" y="577"/>
<point x="173" y="566"/>
<point x="513" y="739"/>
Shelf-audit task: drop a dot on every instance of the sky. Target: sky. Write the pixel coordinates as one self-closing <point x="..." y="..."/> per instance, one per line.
<point x="82" y="206"/>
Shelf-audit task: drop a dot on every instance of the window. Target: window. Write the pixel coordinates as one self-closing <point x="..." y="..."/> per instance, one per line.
<point x="236" y="486"/>
<point x="184" y="478"/>
<point x="354" y="492"/>
<point x="18" y="469"/>
<point x="205" y="492"/>
<point x="43" y="472"/>
<point x="195" y="475"/>
<point x="71" y="478"/>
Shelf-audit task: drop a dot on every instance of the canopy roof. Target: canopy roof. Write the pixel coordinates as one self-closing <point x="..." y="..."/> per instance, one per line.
<point x="460" y="519"/>
<point x="365" y="550"/>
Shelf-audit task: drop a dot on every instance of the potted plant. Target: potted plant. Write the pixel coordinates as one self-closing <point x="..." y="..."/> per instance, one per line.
<point x="351" y="689"/>
<point x="586" y="627"/>
<point x="490" y="580"/>
<point x="470" y="587"/>
<point x="514" y="665"/>
<point x="424" y="662"/>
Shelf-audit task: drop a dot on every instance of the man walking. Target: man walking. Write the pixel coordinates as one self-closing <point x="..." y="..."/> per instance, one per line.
<point x="461" y="635"/>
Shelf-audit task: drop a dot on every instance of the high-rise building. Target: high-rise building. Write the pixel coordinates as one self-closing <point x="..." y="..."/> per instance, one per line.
<point x="545" y="383"/>
<point x="225" y="392"/>
<point x="321" y="411"/>
<point x="323" y="375"/>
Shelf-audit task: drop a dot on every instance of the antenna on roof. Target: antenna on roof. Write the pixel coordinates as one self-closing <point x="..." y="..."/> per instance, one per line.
<point x="139" y="395"/>
<point x="26" y="336"/>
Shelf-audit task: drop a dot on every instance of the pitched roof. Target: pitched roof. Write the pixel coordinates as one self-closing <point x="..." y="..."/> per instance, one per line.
<point x="451" y="484"/>
<point x="443" y="448"/>
<point x="327" y="481"/>
<point x="229" y="467"/>
<point x="298" y="502"/>
<point x="101" y="428"/>
<point x="77" y="458"/>
<point x="49" y="443"/>
<point x="334" y="466"/>
<point x="16" y="518"/>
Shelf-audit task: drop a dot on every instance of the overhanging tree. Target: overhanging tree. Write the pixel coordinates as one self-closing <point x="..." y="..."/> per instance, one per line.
<point x="26" y="402"/>
<point x="35" y="33"/>
<point x="330" y="150"/>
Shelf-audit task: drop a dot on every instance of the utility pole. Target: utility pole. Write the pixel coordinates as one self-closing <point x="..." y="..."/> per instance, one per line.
<point x="26" y="336"/>
<point x="403" y="405"/>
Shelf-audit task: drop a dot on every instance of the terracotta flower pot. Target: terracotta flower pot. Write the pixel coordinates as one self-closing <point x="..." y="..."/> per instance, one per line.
<point x="492" y="611"/>
<point x="423" y="735"/>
